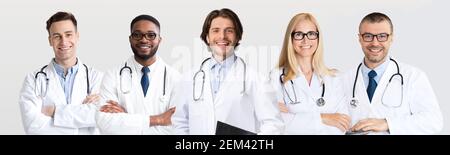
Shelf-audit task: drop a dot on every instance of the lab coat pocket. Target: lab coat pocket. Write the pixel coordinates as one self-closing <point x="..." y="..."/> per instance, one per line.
<point x="164" y="100"/>
<point x="300" y="107"/>
<point x="197" y="108"/>
<point x="197" y="120"/>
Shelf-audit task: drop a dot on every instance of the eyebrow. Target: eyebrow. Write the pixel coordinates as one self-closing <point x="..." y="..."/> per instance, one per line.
<point x="215" y="28"/>
<point x="56" y="33"/>
<point x="151" y="31"/>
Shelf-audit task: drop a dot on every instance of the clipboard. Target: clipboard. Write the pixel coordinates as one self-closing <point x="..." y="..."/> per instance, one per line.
<point x="227" y="129"/>
<point x="356" y="132"/>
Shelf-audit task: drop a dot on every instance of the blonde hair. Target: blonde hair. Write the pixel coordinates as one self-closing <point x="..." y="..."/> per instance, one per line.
<point x="288" y="61"/>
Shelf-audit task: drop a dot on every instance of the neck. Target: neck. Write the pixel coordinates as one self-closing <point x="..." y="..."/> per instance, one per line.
<point x="306" y="67"/>
<point x="220" y="58"/>
<point x="66" y="64"/>
<point x="372" y="65"/>
<point x="147" y="62"/>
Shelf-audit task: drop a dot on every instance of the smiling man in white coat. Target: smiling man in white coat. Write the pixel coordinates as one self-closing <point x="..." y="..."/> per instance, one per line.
<point x="384" y="95"/>
<point x="61" y="97"/>
<point x="224" y="89"/>
<point x="136" y="92"/>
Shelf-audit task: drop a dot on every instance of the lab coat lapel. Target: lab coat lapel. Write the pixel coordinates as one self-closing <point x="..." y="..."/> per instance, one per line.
<point x="305" y="92"/>
<point x="390" y="70"/>
<point x="79" y="85"/>
<point x="129" y="102"/>
<point x="364" y="107"/>
<point x="137" y="98"/>
<point x="229" y="86"/>
<point x="229" y="93"/>
<point x="361" y="91"/>
<point x="207" y="97"/>
<point x="155" y="90"/>
<point x="55" y="91"/>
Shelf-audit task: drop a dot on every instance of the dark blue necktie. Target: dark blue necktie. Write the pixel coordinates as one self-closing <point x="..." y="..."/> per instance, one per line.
<point x="372" y="84"/>
<point x="144" y="80"/>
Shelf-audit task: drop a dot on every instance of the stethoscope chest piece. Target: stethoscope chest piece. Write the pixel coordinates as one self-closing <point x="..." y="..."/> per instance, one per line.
<point x="354" y="103"/>
<point x="320" y="102"/>
<point x="162" y="98"/>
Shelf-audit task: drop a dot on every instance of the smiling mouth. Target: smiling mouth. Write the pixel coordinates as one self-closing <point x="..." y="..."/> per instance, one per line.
<point x="144" y="46"/>
<point x="375" y="49"/>
<point x="65" y="48"/>
<point x="222" y="43"/>
<point x="306" y="46"/>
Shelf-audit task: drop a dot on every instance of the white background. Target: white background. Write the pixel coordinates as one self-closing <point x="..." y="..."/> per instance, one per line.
<point x="421" y="38"/>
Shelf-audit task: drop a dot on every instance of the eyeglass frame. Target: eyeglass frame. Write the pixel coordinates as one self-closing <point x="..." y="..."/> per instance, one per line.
<point x="375" y="35"/>
<point x="144" y="35"/>
<point x="304" y="34"/>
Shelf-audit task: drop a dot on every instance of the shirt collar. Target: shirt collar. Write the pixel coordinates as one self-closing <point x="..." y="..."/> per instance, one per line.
<point x="138" y="66"/>
<point x="379" y="69"/>
<point x="225" y="64"/>
<point x="60" y="69"/>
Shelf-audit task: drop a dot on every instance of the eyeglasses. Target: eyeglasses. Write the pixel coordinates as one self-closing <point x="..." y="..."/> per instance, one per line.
<point x="139" y="36"/>
<point x="368" y="37"/>
<point x="311" y="35"/>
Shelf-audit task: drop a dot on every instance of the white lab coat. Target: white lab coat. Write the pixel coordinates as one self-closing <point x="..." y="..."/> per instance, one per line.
<point x="304" y="118"/>
<point x="139" y="108"/>
<point x="251" y="111"/>
<point x="418" y="114"/>
<point x="74" y="118"/>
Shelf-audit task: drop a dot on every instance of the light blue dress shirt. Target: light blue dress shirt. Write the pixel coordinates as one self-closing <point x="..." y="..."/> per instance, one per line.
<point x="219" y="71"/>
<point x="66" y="80"/>
<point x="380" y="71"/>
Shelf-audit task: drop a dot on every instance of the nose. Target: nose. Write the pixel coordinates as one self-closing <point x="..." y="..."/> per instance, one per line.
<point x="304" y="39"/>
<point x="375" y="41"/>
<point x="222" y="34"/>
<point x="64" y="40"/>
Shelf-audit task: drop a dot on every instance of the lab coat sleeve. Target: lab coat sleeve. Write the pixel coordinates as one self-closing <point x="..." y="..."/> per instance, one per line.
<point x="425" y="117"/>
<point x="79" y="115"/>
<point x="180" y="119"/>
<point x="117" y="123"/>
<point x="30" y="105"/>
<point x="304" y="119"/>
<point x="266" y="111"/>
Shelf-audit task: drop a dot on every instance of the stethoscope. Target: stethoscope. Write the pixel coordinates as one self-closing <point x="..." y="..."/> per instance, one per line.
<point x="42" y="93"/>
<point x="320" y="102"/>
<point x="125" y="90"/>
<point x="354" y="102"/>
<point x="203" y="78"/>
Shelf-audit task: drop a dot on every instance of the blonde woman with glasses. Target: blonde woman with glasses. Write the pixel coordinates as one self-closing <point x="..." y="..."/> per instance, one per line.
<point x="309" y="94"/>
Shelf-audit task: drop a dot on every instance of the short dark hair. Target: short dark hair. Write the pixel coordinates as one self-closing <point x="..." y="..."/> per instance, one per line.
<point x="376" y="17"/>
<point x="60" y="16"/>
<point x="225" y="13"/>
<point x="144" y="17"/>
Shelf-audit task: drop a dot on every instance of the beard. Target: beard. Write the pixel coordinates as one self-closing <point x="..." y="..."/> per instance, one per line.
<point x="376" y="59"/>
<point x="145" y="57"/>
<point x="222" y="53"/>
